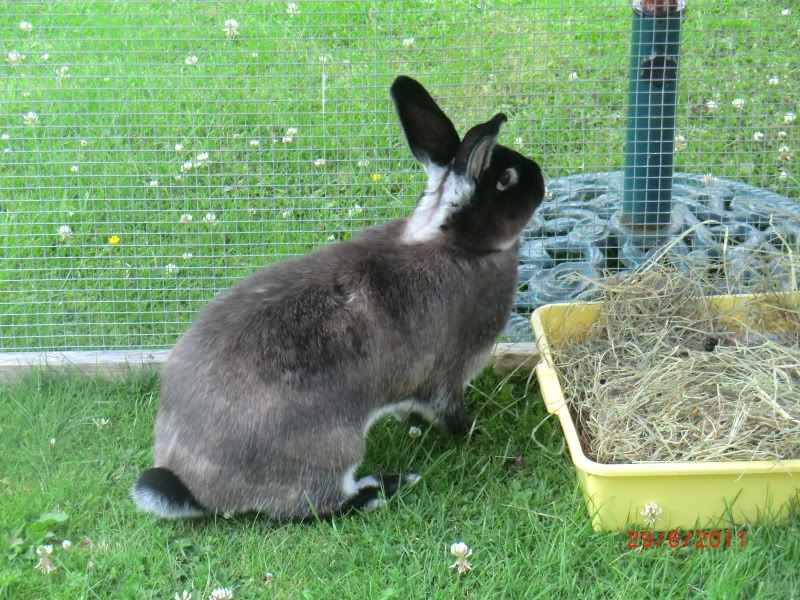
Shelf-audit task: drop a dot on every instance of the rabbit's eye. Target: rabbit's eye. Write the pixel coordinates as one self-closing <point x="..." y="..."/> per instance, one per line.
<point x="507" y="179"/>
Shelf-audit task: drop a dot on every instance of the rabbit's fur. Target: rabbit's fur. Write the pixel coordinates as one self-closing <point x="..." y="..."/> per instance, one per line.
<point x="267" y="398"/>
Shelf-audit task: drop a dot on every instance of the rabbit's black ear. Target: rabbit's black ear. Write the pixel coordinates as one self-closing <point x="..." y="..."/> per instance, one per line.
<point x="475" y="152"/>
<point x="430" y="134"/>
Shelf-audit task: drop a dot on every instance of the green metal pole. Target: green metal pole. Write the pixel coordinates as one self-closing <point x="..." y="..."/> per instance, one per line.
<point x="652" y="97"/>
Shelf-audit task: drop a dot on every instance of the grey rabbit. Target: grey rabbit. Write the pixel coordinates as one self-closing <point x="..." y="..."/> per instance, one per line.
<point x="267" y="398"/>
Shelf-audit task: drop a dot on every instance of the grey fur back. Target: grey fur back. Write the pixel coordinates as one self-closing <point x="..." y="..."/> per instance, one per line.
<point x="283" y="371"/>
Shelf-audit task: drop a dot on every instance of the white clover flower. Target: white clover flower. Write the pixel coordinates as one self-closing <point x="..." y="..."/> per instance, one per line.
<point x="202" y="157"/>
<point x="45" y="565"/>
<point x="178" y="147"/>
<point x="784" y="153"/>
<point x="462" y="552"/>
<point x="74" y="169"/>
<point x="153" y="183"/>
<point x="43" y="551"/>
<point x="66" y="544"/>
<point x="789" y="118"/>
<point x="738" y="103"/>
<point x="221" y="594"/>
<point x="14" y="58"/>
<point x="786" y="12"/>
<point x="331" y="238"/>
<point x="231" y="28"/>
<point x="210" y="217"/>
<point x="573" y="76"/>
<point x="409" y="42"/>
<point x="26" y="26"/>
<point x="758" y="136"/>
<point x="83" y="143"/>
<point x="709" y="179"/>
<point x="62" y="72"/>
<point x="268" y="579"/>
<point x="651" y="513"/>
<point x="710" y="105"/>
<point x="320" y="162"/>
<point x="190" y="60"/>
<point x="30" y="118"/>
<point x="414" y="432"/>
<point x="782" y="134"/>
<point x="100" y="422"/>
<point x="254" y="55"/>
<point x="773" y="80"/>
<point x="52" y="442"/>
<point x="187" y="166"/>
<point x="286" y="139"/>
<point x="291" y="131"/>
<point x="518" y="142"/>
<point x="783" y="175"/>
<point x="187" y="256"/>
<point x="5" y="137"/>
<point x="285" y="214"/>
<point x="6" y="150"/>
<point x="186" y="218"/>
<point x="292" y="9"/>
<point x="172" y="269"/>
<point x="44" y="56"/>
<point x="355" y="211"/>
<point x="680" y="143"/>
<point x="363" y="163"/>
<point x="323" y="59"/>
<point x="255" y="143"/>
<point x="184" y="595"/>
<point x="64" y="233"/>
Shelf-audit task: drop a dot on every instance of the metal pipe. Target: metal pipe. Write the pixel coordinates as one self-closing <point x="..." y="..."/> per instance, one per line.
<point x="652" y="98"/>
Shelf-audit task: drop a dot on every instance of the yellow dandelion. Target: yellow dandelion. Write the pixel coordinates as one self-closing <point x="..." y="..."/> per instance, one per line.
<point x="113" y="240"/>
<point x="376" y="177"/>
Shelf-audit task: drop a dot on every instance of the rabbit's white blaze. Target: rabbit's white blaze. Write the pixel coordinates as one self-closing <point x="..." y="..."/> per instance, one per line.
<point x="444" y="194"/>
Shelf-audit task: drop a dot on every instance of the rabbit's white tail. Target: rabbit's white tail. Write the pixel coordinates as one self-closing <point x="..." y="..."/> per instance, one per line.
<point x="161" y="492"/>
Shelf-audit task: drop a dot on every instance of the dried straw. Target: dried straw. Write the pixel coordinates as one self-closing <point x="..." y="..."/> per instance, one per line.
<point x="665" y="376"/>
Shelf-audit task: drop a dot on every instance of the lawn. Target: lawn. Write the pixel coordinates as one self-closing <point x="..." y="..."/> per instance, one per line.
<point x="73" y="446"/>
<point x="145" y="114"/>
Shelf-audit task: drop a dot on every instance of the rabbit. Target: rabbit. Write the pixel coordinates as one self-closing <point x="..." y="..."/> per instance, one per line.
<point x="267" y="398"/>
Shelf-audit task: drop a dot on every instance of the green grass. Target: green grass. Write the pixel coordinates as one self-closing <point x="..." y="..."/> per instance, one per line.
<point x="527" y="527"/>
<point x="129" y="94"/>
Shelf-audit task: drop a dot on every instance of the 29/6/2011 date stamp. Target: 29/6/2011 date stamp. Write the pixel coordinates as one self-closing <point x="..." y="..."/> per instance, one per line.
<point x="693" y="538"/>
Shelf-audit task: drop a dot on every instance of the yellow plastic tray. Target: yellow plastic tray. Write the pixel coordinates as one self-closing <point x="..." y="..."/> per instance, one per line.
<point x="688" y="495"/>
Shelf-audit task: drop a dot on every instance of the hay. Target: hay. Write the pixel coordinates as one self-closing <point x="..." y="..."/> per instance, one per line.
<point x="664" y="376"/>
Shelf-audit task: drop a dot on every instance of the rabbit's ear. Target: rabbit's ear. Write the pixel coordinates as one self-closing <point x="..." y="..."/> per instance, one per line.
<point x="430" y="134"/>
<point x="475" y="152"/>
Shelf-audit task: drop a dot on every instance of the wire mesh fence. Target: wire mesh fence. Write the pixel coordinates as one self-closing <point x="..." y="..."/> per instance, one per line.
<point x="153" y="152"/>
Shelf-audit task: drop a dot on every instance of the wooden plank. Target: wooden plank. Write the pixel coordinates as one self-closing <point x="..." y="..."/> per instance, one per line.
<point x="509" y="357"/>
<point x="505" y="358"/>
<point x="104" y="362"/>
